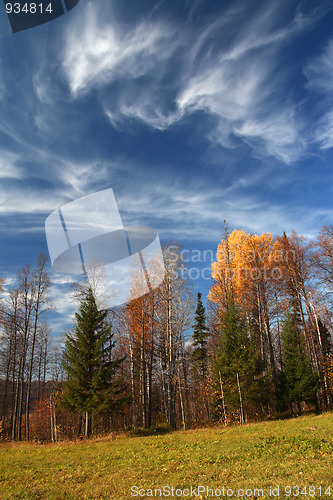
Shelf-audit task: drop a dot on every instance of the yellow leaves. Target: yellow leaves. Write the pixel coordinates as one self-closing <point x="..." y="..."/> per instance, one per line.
<point x="243" y="262"/>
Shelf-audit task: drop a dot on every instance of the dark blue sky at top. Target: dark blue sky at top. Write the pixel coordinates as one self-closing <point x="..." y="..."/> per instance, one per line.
<point x="192" y="111"/>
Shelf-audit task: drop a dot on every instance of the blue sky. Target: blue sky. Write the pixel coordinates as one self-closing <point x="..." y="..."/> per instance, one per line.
<point x="192" y="111"/>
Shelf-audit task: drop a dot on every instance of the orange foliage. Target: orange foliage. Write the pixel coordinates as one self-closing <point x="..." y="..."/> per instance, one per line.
<point x="40" y="418"/>
<point x="244" y="264"/>
<point x="39" y="421"/>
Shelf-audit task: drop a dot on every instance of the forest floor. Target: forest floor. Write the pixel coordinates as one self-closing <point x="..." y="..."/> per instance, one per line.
<point x="276" y="459"/>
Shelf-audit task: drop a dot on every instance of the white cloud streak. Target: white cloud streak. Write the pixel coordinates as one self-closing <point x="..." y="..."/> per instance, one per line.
<point x="186" y="214"/>
<point x="8" y="166"/>
<point x="233" y="80"/>
<point x="324" y="131"/>
<point x="65" y="178"/>
<point x="99" y="53"/>
<point x="319" y="73"/>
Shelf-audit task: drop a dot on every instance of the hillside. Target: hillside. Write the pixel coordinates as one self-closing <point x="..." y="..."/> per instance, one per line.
<point x="296" y="452"/>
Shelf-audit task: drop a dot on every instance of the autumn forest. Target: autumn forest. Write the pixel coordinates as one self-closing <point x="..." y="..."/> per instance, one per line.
<point x="260" y="347"/>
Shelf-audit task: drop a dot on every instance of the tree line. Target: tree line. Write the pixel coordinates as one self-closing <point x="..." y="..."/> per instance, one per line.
<point x="261" y="348"/>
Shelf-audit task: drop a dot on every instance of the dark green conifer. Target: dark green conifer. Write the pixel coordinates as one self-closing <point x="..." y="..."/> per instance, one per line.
<point x="301" y="383"/>
<point x="200" y="334"/>
<point x="92" y="386"/>
<point x="238" y="353"/>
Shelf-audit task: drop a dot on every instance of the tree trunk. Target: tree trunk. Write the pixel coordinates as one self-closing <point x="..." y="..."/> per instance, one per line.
<point x="87" y="426"/>
<point x="223" y="403"/>
<point x="242" y="419"/>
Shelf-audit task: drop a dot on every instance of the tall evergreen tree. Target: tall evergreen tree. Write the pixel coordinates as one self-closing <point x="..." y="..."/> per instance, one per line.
<point x="92" y="386"/>
<point x="301" y="383"/>
<point x="200" y="334"/>
<point x="238" y="360"/>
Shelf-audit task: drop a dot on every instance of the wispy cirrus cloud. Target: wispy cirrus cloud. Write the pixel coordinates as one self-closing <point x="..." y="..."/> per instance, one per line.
<point x="234" y="78"/>
<point x="18" y="199"/>
<point x="65" y="181"/>
<point x="319" y="72"/>
<point x="99" y="52"/>
<point x="184" y="212"/>
<point x="9" y="168"/>
<point x="279" y="136"/>
<point x="324" y="131"/>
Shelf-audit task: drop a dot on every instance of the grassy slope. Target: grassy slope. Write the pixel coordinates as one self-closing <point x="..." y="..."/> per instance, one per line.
<point x="289" y="452"/>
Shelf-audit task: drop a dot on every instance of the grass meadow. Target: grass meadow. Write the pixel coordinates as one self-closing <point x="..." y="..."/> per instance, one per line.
<point x="275" y="459"/>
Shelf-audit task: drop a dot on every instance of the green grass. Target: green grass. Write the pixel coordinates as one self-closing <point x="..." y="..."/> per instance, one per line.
<point x="296" y="452"/>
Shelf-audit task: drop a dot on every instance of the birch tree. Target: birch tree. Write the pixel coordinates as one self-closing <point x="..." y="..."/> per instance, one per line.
<point x="24" y="321"/>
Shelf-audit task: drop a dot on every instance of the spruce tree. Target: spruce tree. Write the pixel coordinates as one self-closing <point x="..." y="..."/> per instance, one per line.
<point x="91" y="387"/>
<point x="238" y="354"/>
<point x="200" y="334"/>
<point x="300" y="382"/>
